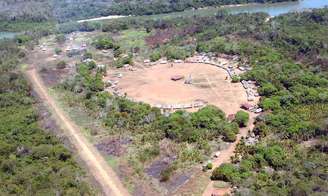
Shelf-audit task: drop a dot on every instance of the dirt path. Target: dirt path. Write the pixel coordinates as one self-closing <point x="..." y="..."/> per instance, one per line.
<point x="95" y="163"/>
<point x="224" y="157"/>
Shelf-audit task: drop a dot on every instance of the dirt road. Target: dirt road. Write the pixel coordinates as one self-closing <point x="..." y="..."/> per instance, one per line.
<point x="224" y="157"/>
<point x="94" y="162"/>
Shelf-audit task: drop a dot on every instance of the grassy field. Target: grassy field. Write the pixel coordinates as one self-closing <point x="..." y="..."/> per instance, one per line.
<point x="133" y="39"/>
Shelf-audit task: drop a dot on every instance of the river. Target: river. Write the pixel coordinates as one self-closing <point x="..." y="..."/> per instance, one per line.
<point x="276" y="9"/>
<point x="273" y="9"/>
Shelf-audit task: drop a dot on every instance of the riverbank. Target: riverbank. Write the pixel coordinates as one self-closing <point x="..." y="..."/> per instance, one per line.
<point x="102" y="18"/>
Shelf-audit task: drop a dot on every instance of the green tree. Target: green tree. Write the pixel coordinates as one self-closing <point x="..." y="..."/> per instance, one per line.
<point x="229" y="136"/>
<point x="235" y="79"/>
<point x="104" y="43"/>
<point x="267" y="89"/>
<point x="208" y="117"/>
<point x="226" y="172"/>
<point x="155" y="56"/>
<point x="242" y="118"/>
<point x="270" y="104"/>
<point x="275" y="155"/>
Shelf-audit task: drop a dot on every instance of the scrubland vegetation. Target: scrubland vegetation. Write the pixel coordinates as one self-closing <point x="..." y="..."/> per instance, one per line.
<point x="32" y="161"/>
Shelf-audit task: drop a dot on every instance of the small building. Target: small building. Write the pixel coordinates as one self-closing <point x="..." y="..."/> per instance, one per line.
<point x="187" y="106"/>
<point x="177" y="77"/>
<point x="158" y="105"/>
<point x="258" y="110"/>
<point x="118" y="75"/>
<point x="198" y="104"/>
<point x="217" y="154"/>
<point x="241" y="68"/>
<point x="167" y="107"/>
<point x="245" y="84"/>
<point x="88" y="60"/>
<point x="246" y="106"/>
<point x="178" y="61"/>
<point x="100" y="66"/>
<point x="250" y="98"/>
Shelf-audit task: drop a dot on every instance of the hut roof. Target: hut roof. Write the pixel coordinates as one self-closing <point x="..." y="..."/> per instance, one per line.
<point x="177" y="77"/>
<point x="246" y="106"/>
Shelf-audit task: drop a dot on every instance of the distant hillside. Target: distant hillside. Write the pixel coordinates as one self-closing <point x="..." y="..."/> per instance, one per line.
<point x="63" y="10"/>
<point x="36" y="10"/>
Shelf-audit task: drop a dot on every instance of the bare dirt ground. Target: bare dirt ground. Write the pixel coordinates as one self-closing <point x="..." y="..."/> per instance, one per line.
<point x="153" y="85"/>
<point x="96" y="165"/>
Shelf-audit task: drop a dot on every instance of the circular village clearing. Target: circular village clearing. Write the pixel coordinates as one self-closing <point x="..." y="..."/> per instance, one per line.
<point x="187" y="85"/>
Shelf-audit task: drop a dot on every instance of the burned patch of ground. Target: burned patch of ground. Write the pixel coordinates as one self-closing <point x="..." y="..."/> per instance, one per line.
<point x="156" y="167"/>
<point x="139" y="186"/>
<point x="162" y="36"/>
<point x="176" y="180"/>
<point x="113" y="146"/>
<point x="52" y="77"/>
<point x="142" y="188"/>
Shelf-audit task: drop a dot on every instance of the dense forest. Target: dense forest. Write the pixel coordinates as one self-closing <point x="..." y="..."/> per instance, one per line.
<point x="289" y="59"/>
<point x="64" y="10"/>
<point x="32" y="160"/>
